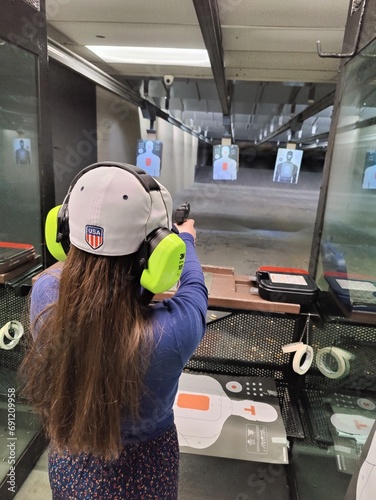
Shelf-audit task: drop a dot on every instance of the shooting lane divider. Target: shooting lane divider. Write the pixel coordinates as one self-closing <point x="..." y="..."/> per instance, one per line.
<point x="13" y="331"/>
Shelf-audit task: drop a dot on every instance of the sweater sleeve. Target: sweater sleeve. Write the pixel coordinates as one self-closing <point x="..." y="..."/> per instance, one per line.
<point x="43" y="294"/>
<point x="192" y="278"/>
<point x="189" y="304"/>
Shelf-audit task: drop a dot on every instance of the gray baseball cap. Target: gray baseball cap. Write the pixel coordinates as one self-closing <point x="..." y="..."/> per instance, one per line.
<point x="111" y="211"/>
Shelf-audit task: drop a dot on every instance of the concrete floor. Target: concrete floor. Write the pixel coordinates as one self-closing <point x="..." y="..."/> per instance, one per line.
<point x="241" y="224"/>
<point x="36" y="486"/>
<point x="252" y="221"/>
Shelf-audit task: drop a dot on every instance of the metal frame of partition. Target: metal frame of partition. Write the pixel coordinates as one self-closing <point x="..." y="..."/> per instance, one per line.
<point x="24" y="25"/>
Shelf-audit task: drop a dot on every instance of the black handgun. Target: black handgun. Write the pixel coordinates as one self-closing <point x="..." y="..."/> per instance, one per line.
<point x="182" y="213"/>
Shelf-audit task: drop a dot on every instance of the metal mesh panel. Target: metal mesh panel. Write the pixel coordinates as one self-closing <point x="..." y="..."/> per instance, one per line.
<point x="33" y="3"/>
<point x="250" y="344"/>
<point x="358" y="340"/>
<point x="316" y="419"/>
<point x="289" y="411"/>
<point x="318" y="415"/>
<point x="12" y="307"/>
<point x="245" y="344"/>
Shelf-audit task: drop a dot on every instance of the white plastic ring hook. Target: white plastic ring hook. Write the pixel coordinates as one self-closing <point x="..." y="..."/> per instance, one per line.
<point x="341" y="357"/>
<point x="301" y="350"/>
<point x="13" y="331"/>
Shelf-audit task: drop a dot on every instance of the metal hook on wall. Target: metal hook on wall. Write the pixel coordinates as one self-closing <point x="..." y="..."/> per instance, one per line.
<point x="355" y="7"/>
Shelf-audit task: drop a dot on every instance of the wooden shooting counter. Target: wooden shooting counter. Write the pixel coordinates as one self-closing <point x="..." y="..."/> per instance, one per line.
<point x="229" y="291"/>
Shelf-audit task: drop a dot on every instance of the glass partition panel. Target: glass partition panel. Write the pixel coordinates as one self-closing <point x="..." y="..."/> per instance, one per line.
<point x="20" y="239"/>
<point x="348" y="244"/>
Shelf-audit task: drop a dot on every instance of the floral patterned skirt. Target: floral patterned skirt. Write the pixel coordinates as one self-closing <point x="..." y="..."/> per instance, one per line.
<point x="146" y="470"/>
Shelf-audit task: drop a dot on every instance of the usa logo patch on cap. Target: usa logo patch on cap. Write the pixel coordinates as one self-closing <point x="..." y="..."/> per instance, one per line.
<point x="94" y="236"/>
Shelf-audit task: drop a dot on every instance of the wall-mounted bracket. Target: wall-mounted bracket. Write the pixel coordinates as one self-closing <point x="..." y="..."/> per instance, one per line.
<point x="355" y="7"/>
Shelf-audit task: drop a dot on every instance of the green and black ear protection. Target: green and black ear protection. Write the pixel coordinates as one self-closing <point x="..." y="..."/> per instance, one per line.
<point x="161" y="255"/>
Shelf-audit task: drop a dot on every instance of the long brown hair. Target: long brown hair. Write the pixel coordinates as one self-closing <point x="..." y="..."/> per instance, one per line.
<point x="86" y="367"/>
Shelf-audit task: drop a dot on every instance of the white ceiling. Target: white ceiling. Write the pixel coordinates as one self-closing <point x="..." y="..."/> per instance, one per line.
<point x="269" y="55"/>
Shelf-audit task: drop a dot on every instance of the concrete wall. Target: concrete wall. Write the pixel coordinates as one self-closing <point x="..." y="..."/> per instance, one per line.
<point x="120" y="125"/>
<point x="73" y="122"/>
<point x="118" y="128"/>
<point x="178" y="155"/>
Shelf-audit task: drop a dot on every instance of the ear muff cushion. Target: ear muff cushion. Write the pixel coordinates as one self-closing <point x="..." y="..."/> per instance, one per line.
<point x="165" y="264"/>
<point x="51" y="229"/>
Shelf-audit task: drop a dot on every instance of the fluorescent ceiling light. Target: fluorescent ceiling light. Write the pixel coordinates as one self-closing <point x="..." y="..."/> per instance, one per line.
<point x="151" y="55"/>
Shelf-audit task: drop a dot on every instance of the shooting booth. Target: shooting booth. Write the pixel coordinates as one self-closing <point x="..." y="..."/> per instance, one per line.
<point x="279" y="400"/>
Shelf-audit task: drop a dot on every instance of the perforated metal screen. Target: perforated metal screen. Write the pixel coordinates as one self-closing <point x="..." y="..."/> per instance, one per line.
<point x="360" y="342"/>
<point x="358" y="382"/>
<point x="245" y="344"/>
<point x="33" y="3"/>
<point x="12" y="307"/>
<point x="250" y="344"/>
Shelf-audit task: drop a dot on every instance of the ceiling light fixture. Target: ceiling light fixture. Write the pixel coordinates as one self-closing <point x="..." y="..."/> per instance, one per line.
<point x="151" y="55"/>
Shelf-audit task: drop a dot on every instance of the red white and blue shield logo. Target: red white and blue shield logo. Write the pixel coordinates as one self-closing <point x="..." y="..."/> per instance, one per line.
<point x="94" y="236"/>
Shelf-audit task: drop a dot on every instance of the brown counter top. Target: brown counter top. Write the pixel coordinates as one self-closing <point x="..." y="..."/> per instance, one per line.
<point x="228" y="290"/>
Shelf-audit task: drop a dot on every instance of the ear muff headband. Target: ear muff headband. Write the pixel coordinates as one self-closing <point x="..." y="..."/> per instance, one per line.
<point x="163" y="251"/>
